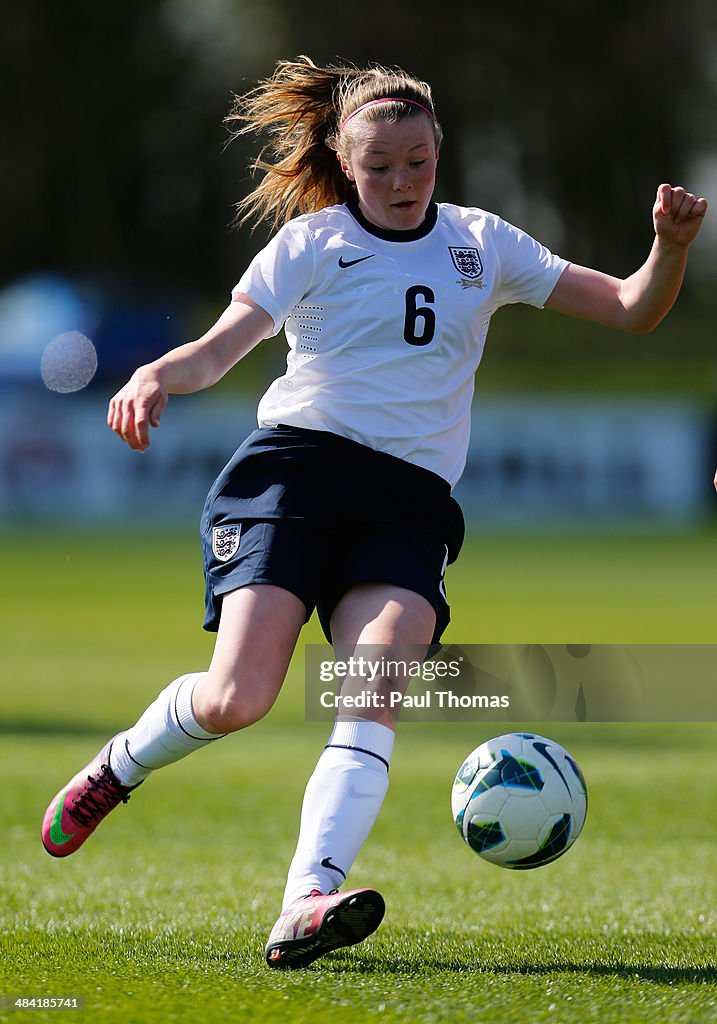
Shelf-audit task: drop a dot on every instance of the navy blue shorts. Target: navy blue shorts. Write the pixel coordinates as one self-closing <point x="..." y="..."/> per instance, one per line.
<point x="317" y="513"/>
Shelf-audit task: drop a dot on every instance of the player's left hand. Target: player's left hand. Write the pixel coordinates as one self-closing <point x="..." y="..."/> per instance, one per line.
<point x="677" y="215"/>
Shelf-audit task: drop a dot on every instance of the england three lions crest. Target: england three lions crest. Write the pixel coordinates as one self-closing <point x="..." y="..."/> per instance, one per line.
<point x="225" y="541"/>
<point x="467" y="261"/>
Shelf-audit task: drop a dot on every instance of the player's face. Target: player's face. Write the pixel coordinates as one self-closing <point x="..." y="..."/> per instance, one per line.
<point x="394" y="169"/>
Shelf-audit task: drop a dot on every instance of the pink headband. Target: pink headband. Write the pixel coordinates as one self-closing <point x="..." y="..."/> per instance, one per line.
<point x="386" y="99"/>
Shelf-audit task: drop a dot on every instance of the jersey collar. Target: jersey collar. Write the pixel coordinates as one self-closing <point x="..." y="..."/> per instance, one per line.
<point x="390" y="235"/>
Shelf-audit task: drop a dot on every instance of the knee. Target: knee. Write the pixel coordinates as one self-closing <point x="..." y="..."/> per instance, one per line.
<point x="222" y="709"/>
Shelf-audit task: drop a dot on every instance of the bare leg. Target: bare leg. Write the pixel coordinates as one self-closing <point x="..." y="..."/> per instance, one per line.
<point x="257" y="634"/>
<point x="259" y="627"/>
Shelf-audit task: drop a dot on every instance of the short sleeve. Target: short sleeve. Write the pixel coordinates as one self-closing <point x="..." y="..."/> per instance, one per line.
<point x="280" y="275"/>
<point x="528" y="271"/>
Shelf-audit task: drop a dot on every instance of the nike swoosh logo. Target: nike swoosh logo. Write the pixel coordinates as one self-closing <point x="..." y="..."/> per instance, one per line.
<point x="57" y="836"/>
<point x="355" y="795"/>
<point x="326" y="863"/>
<point x="352" y="263"/>
<point x="543" y="749"/>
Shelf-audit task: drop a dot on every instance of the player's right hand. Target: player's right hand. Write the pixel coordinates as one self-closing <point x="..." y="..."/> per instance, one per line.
<point x="136" y="407"/>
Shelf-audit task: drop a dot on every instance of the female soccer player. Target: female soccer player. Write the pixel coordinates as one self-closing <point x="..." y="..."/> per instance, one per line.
<point x="341" y="500"/>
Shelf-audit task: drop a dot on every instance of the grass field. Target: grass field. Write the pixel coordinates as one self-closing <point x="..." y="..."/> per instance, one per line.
<point x="164" y="914"/>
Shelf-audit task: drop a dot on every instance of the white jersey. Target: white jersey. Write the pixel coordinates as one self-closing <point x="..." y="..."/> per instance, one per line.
<point x="386" y="328"/>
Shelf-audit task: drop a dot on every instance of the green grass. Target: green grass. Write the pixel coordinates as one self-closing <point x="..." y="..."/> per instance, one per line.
<point x="166" y="922"/>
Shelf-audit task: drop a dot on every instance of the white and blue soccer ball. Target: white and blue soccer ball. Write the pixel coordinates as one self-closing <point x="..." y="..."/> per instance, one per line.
<point x="519" y="800"/>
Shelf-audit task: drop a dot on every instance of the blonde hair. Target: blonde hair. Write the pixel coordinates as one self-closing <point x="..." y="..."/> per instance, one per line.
<point x="307" y="112"/>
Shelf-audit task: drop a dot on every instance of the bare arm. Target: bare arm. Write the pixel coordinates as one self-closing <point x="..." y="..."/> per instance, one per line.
<point x="191" y="367"/>
<point x="640" y="301"/>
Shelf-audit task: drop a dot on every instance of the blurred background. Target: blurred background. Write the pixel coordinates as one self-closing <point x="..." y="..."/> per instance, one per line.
<point x="588" y="495"/>
<point x="118" y="197"/>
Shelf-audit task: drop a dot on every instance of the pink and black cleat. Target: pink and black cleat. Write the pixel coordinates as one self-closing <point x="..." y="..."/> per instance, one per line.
<point x="317" y="924"/>
<point x="82" y="804"/>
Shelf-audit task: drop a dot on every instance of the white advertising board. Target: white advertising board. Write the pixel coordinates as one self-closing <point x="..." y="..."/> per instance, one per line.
<point x="533" y="464"/>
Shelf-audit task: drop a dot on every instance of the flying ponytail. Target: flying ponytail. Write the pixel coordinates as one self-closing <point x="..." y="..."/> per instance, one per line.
<point x="309" y="114"/>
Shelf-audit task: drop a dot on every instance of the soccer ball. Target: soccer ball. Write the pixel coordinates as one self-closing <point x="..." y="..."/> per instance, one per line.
<point x="519" y="800"/>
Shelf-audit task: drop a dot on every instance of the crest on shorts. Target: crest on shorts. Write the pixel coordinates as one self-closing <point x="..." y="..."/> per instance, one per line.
<point x="467" y="261"/>
<point x="225" y="541"/>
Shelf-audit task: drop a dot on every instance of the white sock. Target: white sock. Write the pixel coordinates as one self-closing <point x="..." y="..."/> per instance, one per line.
<point x="341" y="803"/>
<point x="165" y="733"/>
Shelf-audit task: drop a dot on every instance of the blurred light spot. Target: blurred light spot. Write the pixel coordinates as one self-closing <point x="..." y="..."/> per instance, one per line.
<point x="68" y="362"/>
